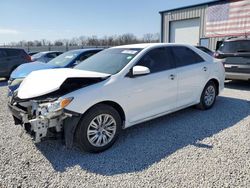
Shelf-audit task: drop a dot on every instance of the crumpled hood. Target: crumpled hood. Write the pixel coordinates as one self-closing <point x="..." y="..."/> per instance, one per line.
<point x="23" y="70"/>
<point x="43" y="82"/>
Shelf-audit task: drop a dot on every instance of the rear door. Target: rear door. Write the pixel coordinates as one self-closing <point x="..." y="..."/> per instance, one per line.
<point x="192" y="74"/>
<point x="15" y="58"/>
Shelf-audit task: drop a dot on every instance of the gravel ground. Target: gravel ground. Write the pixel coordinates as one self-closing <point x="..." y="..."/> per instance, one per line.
<point x="190" y="148"/>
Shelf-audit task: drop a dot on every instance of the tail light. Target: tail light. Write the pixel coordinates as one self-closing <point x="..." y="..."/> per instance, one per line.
<point x="27" y="58"/>
<point x="216" y="55"/>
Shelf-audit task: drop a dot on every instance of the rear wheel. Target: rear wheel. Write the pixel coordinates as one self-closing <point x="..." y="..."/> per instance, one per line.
<point x="208" y="96"/>
<point x="98" y="129"/>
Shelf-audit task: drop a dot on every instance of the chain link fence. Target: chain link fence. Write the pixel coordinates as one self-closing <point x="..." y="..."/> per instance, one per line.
<point x="51" y="48"/>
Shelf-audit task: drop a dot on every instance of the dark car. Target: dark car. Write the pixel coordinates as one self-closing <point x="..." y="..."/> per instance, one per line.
<point x="66" y="60"/>
<point x="10" y="59"/>
<point x="206" y="50"/>
<point x="236" y="55"/>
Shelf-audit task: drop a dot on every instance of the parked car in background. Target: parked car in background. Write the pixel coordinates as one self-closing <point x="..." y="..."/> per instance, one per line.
<point x="45" y="56"/>
<point x="11" y="58"/>
<point x="236" y="55"/>
<point x="206" y="50"/>
<point x="66" y="60"/>
<point x="115" y="89"/>
<point x="32" y="53"/>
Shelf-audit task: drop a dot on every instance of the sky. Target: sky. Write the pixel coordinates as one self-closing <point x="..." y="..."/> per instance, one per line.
<point x="59" y="19"/>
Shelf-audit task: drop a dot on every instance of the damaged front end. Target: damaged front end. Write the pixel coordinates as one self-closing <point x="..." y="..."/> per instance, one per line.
<point x="47" y="114"/>
<point x="39" y="117"/>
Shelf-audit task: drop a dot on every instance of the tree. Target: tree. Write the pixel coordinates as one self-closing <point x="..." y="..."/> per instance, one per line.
<point x="37" y="43"/>
<point x="58" y="43"/>
<point x="93" y="41"/>
<point x="83" y="40"/>
<point x="148" y="37"/>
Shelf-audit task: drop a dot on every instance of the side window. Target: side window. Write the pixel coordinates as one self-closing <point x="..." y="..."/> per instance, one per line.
<point x="186" y="56"/>
<point x="13" y="52"/>
<point x="3" y="54"/>
<point x="86" y="55"/>
<point x="158" y="60"/>
<point x="51" y="55"/>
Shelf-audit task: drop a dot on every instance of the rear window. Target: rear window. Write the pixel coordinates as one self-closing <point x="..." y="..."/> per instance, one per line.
<point x="14" y="52"/>
<point x="3" y="53"/>
<point x="240" y="46"/>
<point x="38" y="55"/>
<point x="186" y="56"/>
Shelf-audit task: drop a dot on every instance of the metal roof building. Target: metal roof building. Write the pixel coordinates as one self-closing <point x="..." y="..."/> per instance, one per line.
<point x="206" y="23"/>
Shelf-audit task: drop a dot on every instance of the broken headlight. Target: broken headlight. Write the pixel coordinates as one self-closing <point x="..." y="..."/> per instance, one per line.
<point x="51" y="108"/>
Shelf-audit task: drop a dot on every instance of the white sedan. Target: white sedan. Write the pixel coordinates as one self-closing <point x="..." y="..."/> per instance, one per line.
<point x="115" y="89"/>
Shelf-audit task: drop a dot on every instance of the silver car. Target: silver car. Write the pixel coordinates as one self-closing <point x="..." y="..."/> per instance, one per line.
<point x="45" y="56"/>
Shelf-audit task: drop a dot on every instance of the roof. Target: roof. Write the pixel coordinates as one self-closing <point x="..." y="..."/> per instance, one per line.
<point x="86" y="49"/>
<point x="237" y="39"/>
<point x="9" y="48"/>
<point x="142" y="45"/>
<point x="190" y="6"/>
<point x="149" y="45"/>
<point x="45" y="52"/>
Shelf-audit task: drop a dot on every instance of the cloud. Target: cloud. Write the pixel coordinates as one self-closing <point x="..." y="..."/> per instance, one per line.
<point x="9" y="31"/>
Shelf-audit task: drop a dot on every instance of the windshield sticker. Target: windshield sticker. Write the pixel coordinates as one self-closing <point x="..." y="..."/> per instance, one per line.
<point x="129" y="57"/>
<point x="132" y="52"/>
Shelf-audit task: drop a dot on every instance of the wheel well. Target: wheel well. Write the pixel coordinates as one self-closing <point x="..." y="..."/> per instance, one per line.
<point x="216" y="82"/>
<point x="115" y="106"/>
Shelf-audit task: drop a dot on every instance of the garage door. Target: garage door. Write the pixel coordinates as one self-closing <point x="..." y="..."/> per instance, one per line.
<point x="185" y="31"/>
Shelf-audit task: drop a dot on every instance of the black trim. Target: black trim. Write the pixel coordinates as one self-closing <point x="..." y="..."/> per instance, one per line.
<point x="16" y="112"/>
<point x="162" y="28"/>
<point x="69" y="127"/>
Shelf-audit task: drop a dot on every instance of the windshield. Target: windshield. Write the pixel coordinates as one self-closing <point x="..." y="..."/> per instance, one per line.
<point x="64" y="59"/>
<point x="110" y="61"/>
<point x="38" y="55"/>
<point x="235" y="46"/>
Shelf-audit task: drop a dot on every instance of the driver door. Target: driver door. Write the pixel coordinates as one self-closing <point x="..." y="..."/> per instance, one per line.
<point x="155" y="93"/>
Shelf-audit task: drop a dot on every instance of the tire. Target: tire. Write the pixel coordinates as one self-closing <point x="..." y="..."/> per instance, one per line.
<point x="92" y="127"/>
<point x="208" y="96"/>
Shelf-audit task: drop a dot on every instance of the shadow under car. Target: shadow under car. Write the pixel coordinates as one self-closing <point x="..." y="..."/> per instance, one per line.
<point x="143" y="145"/>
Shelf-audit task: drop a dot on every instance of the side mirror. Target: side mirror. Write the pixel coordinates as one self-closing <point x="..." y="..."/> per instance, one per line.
<point x="140" y="70"/>
<point x="76" y="63"/>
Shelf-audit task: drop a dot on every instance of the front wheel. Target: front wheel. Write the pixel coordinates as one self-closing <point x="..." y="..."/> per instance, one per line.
<point x="208" y="96"/>
<point x="98" y="129"/>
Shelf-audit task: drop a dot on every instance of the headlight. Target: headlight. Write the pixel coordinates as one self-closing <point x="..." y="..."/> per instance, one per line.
<point x="15" y="82"/>
<point x="53" y="109"/>
<point x="59" y="104"/>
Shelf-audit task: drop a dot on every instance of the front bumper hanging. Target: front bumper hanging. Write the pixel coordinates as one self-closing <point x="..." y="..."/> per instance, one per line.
<point x="39" y="125"/>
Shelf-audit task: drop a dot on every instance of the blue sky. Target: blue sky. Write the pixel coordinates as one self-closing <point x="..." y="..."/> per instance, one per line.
<point x="58" y="19"/>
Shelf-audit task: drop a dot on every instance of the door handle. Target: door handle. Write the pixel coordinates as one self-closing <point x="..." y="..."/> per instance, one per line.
<point x="172" y="77"/>
<point x="234" y="67"/>
<point x="205" y="69"/>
